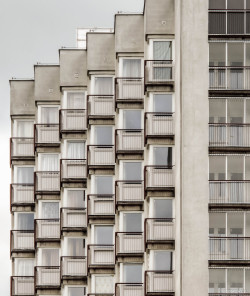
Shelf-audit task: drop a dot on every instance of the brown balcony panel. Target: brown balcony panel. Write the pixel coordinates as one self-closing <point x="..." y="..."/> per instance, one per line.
<point x="129" y="192"/>
<point x="101" y="206"/>
<point x="22" y="148"/>
<point x="101" y="107"/>
<point x="129" y="90"/>
<point x="159" y="72"/>
<point x="47" y="135"/>
<point x="73" y="267"/>
<point x="129" y="289"/>
<point x="73" y="219"/>
<point x="129" y="141"/>
<point x="129" y="243"/>
<point x="22" y="241"/>
<point x="101" y="256"/>
<point x="47" y="230"/>
<point x="47" y="277"/>
<point x="73" y="120"/>
<point x="102" y="156"/>
<point x="159" y="177"/>
<point x="22" y="194"/>
<point x="73" y="170"/>
<point x="47" y="182"/>
<point x="22" y="285"/>
<point x="159" y="282"/>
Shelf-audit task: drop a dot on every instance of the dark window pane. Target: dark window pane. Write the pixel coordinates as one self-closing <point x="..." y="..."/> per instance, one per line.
<point x="247" y="4"/>
<point x="132" y="222"/>
<point x="163" y="156"/>
<point x="248" y="22"/>
<point x="217" y="4"/>
<point x="25" y="221"/>
<point x="217" y="54"/>
<point x="235" y="4"/>
<point x="76" y="247"/>
<point x="217" y="23"/>
<point x="163" y="208"/>
<point x="235" y="23"/>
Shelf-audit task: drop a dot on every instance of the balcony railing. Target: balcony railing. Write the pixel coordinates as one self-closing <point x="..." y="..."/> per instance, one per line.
<point x="22" y="147"/>
<point x="159" y="176"/>
<point x="73" y="266"/>
<point x="47" y="229"/>
<point x="22" y="194"/>
<point x="159" y="229"/>
<point x="22" y="241"/>
<point x="102" y="155"/>
<point x="129" y="243"/>
<point x="101" y="105"/>
<point x="129" y="89"/>
<point x="159" y="71"/>
<point x="73" y="169"/>
<point x="72" y="218"/>
<point x="129" y="140"/>
<point x="101" y="205"/>
<point x="47" y="277"/>
<point x="47" y="134"/>
<point x="101" y="255"/>
<point x="229" y="135"/>
<point x="229" y="78"/>
<point x="73" y="120"/>
<point x="159" y="124"/>
<point x="231" y="192"/>
<point x="129" y="191"/>
<point x="229" y="248"/>
<point x="159" y="282"/>
<point x="129" y="289"/>
<point x="47" y="182"/>
<point x="22" y="285"/>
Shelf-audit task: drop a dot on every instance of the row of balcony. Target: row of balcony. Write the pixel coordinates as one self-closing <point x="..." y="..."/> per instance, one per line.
<point x="156" y="282"/>
<point x="156" y="230"/>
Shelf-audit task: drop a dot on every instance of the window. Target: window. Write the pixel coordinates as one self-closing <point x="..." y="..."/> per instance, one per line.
<point x="24" y="129"/>
<point x="132" y="273"/>
<point x="104" y="284"/>
<point x="75" y="150"/>
<point x="162" y="156"/>
<point x="50" y="210"/>
<point x="104" y="235"/>
<point x="24" y="267"/>
<point x="103" y="86"/>
<point x="50" y="257"/>
<point x="235" y="4"/>
<point x="76" y="247"/>
<point x="76" y="291"/>
<point x="162" y="103"/>
<point x="235" y="53"/>
<point x="131" y="68"/>
<point x="48" y="162"/>
<point x="162" y="208"/>
<point x="25" y="175"/>
<point x="132" y="119"/>
<point x="132" y="171"/>
<point x="162" y="260"/>
<point x="49" y="114"/>
<point x="162" y="50"/>
<point x="132" y="222"/>
<point x="75" y="198"/>
<point x="217" y="54"/>
<point x="25" y="221"/>
<point x="217" y="4"/>
<point x="103" y="135"/>
<point x="75" y="100"/>
<point x="104" y="185"/>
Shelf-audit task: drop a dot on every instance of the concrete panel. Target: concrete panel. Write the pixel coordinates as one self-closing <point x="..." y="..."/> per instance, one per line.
<point x="159" y="17"/>
<point x="22" y="100"/>
<point x="100" y="51"/>
<point x="47" y="83"/>
<point x="129" y="33"/>
<point x="73" y="67"/>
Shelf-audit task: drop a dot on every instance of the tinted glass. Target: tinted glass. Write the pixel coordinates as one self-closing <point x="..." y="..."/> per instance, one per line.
<point x="103" y="135"/>
<point x="132" y="222"/>
<point x="132" y="171"/>
<point x="132" y="119"/>
<point x="25" y="221"/>
<point x="163" y="208"/>
<point x="163" y="156"/>
<point x="217" y="4"/>
<point x="132" y="273"/>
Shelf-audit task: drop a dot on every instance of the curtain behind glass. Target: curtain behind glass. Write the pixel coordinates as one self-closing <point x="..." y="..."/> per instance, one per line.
<point x="162" y="50"/>
<point x="76" y="100"/>
<point x="50" y="257"/>
<point x="24" y="267"/>
<point x="131" y="68"/>
<point x="25" y="129"/>
<point x="76" y="247"/>
<point x="75" y="150"/>
<point x="75" y="198"/>
<point x="50" y="210"/>
<point x="103" y="86"/>
<point x="25" y="175"/>
<point x="49" y="162"/>
<point x="25" y="221"/>
<point x="49" y="115"/>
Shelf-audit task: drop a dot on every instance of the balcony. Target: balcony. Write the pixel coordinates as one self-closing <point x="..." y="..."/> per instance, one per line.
<point x="101" y="256"/>
<point x="159" y="178"/>
<point x="129" y="193"/>
<point x="159" y="72"/>
<point x="22" y="148"/>
<point x="159" y="230"/>
<point x="22" y="285"/>
<point x="159" y="125"/>
<point x="73" y="120"/>
<point x="229" y="193"/>
<point x="101" y="206"/>
<point x="229" y="78"/>
<point x="47" y="135"/>
<point x="129" y="141"/>
<point x="129" y="289"/>
<point x="129" y="243"/>
<point x="159" y="282"/>
<point x="226" y="136"/>
<point x="22" y="241"/>
<point x="73" y="267"/>
<point x="229" y="248"/>
<point x="47" y="277"/>
<point x="47" y="230"/>
<point x="47" y="182"/>
<point x="22" y="194"/>
<point x="129" y="90"/>
<point x="101" y="157"/>
<point x="73" y="170"/>
<point x="73" y="219"/>
<point x="101" y="107"/>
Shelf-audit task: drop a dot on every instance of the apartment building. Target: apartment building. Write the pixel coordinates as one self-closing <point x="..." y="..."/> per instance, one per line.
<point x="109" y="157"/>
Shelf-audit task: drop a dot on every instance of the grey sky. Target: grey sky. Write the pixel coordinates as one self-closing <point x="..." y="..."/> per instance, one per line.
<point x="32" y="31"/>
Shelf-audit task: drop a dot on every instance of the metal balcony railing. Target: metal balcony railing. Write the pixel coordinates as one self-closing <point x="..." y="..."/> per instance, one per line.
<point x="22" y="194"/>
<point x="73" y="120"/>
<point x="73" y="218"/>
<point x="75" y="169"/>
<point x="129" y="243"/>
<point x="46" y="134"/>
<point x="159" y="176"/>
<point x="159" y="229"/>
<point x="22" y="147"/>
<point x="22" y="285"/>
<point x="129" y="140"/>
<point x="22" y="241"/>
<point x="102" y="155"/>
<point x="129" y="88"/>
<point x="101" y="255"/>
<point x="47" y="277"/>
<point x="129" y="289"/>
<point x="231" y="192"/>
<point x="73" y="266"/>
<point x="47" y="182"/>
<point x="101" y="105"/>
<point x="159" y="282"/>
<point x="159" y="124"/>
<point x="47" y="229"/>
<point x="229" y="78"/>
<point x="129" y="191"/>
<point x="159" y="71"/>
<point x="101" y="205"/>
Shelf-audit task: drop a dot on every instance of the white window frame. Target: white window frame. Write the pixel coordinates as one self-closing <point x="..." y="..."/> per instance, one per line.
<point x="16" y="217"/>
<point x="65" y="146"/>
<point x="16" y="260"/>
<point x="15" y="124"/>
<point x="122" y="269"/>
<point x="93" y="131"/>
<point x="39" y="159"/>
<point x="65" y="97"/>
<point x="151" y="258"/>
<point x="151" y="153"/>
<point x="66" y="289"/>
<point x="39" y="107"/>
<point x="121" y="168"/>
<point x="65" y="195"/>
<point x="40" y="207"/>
<point x="65" y="244"/>
<point x="122" y="217"/>
<point x="151" y="100"/>
<point x="92" y="83"/>
<point x="151" y="205"/>
<point x="151" y="47"/>
<point x="15" y="167"/>
<point x="122" y="117"/>
<point x="40" y="254"/>
<point x="120" y="65"/>
<point x="93" y="231"/>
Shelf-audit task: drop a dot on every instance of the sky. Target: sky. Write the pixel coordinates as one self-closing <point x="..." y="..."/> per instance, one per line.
<point x="32" y="31"/>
